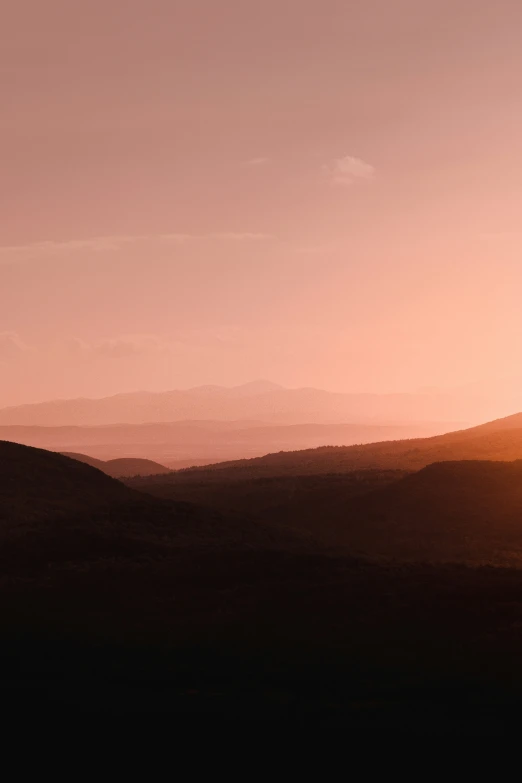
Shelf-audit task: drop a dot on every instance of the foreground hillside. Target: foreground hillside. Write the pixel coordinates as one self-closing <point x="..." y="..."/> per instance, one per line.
<point x="497" y="440"/>
<point x="37" y="484"/>
<point x="258" y="637"/>
<point x="54" y="510"/>
<point x="467" y="511"/>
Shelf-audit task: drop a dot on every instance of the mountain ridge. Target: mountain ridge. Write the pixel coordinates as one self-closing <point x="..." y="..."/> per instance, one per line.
<point x="260" y="401"/>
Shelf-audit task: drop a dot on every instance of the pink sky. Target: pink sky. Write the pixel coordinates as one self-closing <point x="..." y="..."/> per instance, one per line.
<point x="319" y="192"/>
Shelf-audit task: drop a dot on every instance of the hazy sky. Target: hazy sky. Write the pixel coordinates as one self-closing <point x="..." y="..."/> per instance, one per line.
<point x="321" y="192"/>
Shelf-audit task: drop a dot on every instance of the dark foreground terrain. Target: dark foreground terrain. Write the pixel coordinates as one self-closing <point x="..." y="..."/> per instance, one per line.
<point x="113" y="601"/>
<point x="266" y="636"/>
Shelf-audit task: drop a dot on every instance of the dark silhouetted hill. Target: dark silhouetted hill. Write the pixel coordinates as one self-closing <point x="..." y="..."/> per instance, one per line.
<point x="79" y="503"/>
<point x="37" y="484"/>
<point x="92" y="461"/>
<point x="469" y="512"/>
<point x="298" y="501"/>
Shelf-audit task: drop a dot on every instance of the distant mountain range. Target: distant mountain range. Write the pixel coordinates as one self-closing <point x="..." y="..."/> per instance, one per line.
<point x="260" y="401"/>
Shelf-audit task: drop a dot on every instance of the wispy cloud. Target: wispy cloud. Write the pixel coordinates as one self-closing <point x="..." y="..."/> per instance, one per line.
<point x="124" y="346"/>
<point x="242" y="237"/>
<point x="256" y="162"/>
<point x="345" y="171"/>
<point x="93" y="244"/>
<point x="130" y="345"/>
<point x="103" y="244"/>
<point x="12" y="346"/>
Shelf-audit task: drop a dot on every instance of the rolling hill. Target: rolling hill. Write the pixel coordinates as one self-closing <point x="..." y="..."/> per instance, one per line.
<point x="37" y="484"/>
<point x="285" y="500"/>
<point x="467" y="512"/>
<point x="50" y="502"/>
<point x="496" y="440"/>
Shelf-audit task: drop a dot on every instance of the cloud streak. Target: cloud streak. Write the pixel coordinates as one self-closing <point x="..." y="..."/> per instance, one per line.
<point x="254" y="163"/>
<point x="241" y="237"/>
<point x="104" y="244"/>
<point x="345" y="171"/>
<point x="11" y="346"/>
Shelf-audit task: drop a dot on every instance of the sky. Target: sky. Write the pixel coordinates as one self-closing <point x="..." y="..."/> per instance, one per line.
<point x="320" y="192"/>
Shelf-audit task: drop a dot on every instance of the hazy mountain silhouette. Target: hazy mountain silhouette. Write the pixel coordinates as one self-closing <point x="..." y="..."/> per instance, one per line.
<point x="260" y="401"/>
<point x="120" y="468"/>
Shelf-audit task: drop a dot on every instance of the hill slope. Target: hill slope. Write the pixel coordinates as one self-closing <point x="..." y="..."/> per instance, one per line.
<point x="37" y="484"/>
<point x="468" y="511"/>
<point x="51" y="505"/>
<point x="497" y="440"/>
<point x="121" y="468"/>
